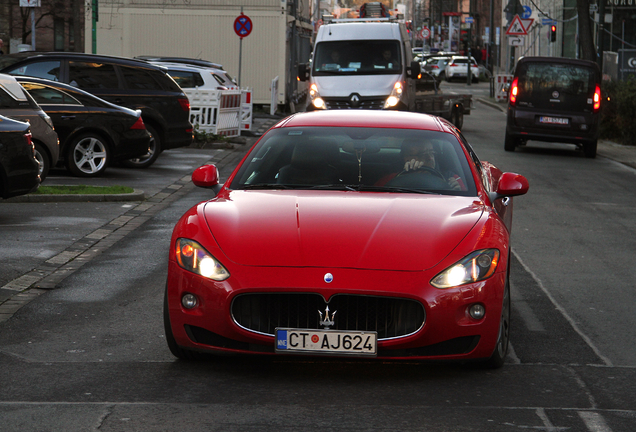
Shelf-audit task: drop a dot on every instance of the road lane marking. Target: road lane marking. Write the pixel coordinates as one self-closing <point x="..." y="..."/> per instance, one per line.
<point x="594" y="421"/>
<point x="525" y="311"/>
<point x="560" y="308"/>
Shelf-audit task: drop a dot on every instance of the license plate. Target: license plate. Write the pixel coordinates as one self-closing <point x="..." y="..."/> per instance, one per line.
<point x="554" y="120"/>
<point x="310" y="341"/>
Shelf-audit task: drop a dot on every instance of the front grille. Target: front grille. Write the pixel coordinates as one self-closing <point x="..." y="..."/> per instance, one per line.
<point x="373" y="103"/>
<point x="388" y="316"/>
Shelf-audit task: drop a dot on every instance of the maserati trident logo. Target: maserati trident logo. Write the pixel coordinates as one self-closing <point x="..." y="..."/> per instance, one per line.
<point x="325" y="320"/>
<point x="555" y="94"/>
<point x="328" y="277"/>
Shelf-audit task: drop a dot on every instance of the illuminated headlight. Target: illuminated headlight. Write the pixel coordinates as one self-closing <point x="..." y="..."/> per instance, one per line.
<point x="477" y="266"/>
<point x="192" y="257"/>
<point x="317" y="101"/>
<point x="394" y="97"/>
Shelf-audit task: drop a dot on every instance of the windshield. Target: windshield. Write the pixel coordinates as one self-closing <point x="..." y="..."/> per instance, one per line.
<point x="357" y="57"/>
<point x="361" y="159"/>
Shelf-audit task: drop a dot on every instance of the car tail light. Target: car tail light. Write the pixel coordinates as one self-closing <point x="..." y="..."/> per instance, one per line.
<point x="452" y="65"/>
<point x="434" y="67"/>
<point x="185" y="104"/>
<point x="514" y="91"/>
<point x="597" y="98"/>
<point x="139" y="124"/>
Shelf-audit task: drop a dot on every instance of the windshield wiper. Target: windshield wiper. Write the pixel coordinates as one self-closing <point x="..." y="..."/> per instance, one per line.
<point x="394" y="189"/>
<point x="335" y="186"/>
<point x="268" y="186"/>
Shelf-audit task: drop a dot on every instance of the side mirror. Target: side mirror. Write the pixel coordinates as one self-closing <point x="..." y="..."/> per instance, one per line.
<point x="207" y="176"/>
<point x="414" y="70"/>
<point x="303" y="72"/>
<point x="510" y="184"/>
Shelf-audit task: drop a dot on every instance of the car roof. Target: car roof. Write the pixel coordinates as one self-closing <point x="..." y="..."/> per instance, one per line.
<point x="12" y="87"/>
<point x="365" y="118"/>
<point x="83" y="56"/>
<point x="182" y="60"/>
<point x="187" y="67"/>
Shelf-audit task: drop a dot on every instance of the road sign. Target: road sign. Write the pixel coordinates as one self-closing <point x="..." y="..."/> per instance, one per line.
<point x="516" y="40"/>
<point x="242" y="26"/>
<point x="547" y="21"/>
<point x="527" y="23"/>
<point x="425" y="32"/>
<point x="469" y="20"/>
<point x="527" y="12"/>
<point x="516" y="27"/>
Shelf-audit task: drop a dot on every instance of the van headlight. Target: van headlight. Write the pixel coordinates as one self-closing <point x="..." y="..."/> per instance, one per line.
<point x="395" y="96"/>
<point x="316" y="100"/>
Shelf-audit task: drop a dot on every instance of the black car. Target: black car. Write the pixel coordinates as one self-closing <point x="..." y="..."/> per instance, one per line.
<point x="556" y="100"/>
<point x="93" y="133"/>
<point x="127" y="82"/>
<point x="19" y="169"/>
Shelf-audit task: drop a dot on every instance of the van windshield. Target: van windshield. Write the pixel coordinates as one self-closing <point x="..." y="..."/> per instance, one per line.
<point x="563" y="86"/>
<point x="363" y="57"/>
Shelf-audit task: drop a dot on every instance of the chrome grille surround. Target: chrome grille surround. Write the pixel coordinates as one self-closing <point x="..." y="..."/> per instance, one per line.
<point x="390" y="317"/>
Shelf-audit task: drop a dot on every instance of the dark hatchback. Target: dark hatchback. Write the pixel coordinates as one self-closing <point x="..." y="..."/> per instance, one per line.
<point x="19" y="169"/>
<point x="93" y="133"/>
<point x="123" y="81"/>
<point x="555" y="100"/>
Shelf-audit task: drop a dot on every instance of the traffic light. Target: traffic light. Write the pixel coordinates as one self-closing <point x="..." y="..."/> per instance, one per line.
<point x="553" y="33"/>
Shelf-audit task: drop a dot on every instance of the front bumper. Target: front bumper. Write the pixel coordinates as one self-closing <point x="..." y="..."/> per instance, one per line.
<point x="445" y="331"/>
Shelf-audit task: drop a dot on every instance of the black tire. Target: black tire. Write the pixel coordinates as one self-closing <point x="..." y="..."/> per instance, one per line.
<point x="88" y="155"/>
<point x="43" y="159"/>
<point x="589" y="149"/>
<point x="458" y="117"/>
<point x="155" y="147"/>
<point x="498" y="357"/>
<point x="176" y="350"/>
<point x="509" y="143"/>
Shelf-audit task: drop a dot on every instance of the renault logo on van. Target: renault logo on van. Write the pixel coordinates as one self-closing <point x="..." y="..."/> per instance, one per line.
<point x="354" y="99"/>
<point x="555" y="94"/>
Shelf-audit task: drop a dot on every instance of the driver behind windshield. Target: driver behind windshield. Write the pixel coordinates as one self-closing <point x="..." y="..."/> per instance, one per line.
<point x="421" y="155"/>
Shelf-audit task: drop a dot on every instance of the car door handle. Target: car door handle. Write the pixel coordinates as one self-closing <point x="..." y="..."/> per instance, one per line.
<point x="68" y="117"/>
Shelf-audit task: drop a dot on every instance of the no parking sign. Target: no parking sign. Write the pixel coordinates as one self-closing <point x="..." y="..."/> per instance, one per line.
<point x="242" y="26"/>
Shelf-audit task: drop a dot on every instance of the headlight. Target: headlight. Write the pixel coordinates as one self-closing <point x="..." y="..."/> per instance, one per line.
<point x="477" y="266"/>
<point x="394" y="97"/>
<point x="317" y="101"/>
<point x="192" y="257"/>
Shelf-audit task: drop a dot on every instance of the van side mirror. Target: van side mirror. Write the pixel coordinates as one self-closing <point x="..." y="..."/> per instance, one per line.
<point x="414" y="70"/>
<point x="303" y="72"/>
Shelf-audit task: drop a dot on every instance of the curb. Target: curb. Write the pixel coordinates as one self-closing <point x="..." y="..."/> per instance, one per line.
<point x="491" y="104"/>
<point x="137" y="195"/>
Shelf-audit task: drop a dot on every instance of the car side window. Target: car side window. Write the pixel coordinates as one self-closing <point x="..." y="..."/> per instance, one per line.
<point x="139" y="79"/>
<point x="92" y="75"/>
<point x="186" y="79"/>
<point x="41" y="69"/>
<point x="48" y="96"/>
<point x="7" y="101"/>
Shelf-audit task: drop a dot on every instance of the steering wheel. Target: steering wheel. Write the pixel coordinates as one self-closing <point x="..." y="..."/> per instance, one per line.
<point x="422" y="169"/>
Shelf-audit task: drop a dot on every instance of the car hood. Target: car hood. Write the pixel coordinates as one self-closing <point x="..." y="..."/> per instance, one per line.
<point x="364" y="85"/>
<point x="340" y="229"/>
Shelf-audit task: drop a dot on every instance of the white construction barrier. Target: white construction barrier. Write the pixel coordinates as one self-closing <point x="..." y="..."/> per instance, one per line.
<point x="501" y="94"/>
<point x="221" y="112"/>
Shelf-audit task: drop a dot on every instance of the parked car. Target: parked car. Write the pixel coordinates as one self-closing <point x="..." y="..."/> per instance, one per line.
<point x="93" y="133"/>
<point x="323" y="241"/>
<point x="457" y="67"/>
<point x="19" y="169"/>
<point x="126" y="82"/>
<point x="201" y="77"/>
<point x="18" y="104"/>
<point x="554" y="99"/>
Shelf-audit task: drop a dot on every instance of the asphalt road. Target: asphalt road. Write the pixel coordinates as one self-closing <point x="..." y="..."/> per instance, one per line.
<point x="87" y="352"/>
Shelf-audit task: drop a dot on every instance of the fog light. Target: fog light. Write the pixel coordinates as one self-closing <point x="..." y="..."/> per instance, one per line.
<point x="189" y="301"/>
<point x="477" y="311"/>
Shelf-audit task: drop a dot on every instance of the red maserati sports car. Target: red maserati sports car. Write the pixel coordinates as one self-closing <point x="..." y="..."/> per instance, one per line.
<point x="347" y="233"/>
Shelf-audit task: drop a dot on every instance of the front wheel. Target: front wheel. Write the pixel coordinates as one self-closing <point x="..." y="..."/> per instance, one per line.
<point x="87" y="156"/>
<point x="458" y="117"/>
<point x="498" y="357"/>
<point x="154" y="149"/>
<point x="43" y="160"/>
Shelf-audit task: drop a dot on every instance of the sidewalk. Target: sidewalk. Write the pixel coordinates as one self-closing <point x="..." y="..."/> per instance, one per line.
<point x="607" y="149"/>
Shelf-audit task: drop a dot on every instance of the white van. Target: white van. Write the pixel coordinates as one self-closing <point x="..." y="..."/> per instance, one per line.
<point x="362" y="63"/>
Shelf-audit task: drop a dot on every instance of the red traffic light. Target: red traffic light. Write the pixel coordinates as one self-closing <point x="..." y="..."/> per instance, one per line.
<point x="553" y="30"/>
